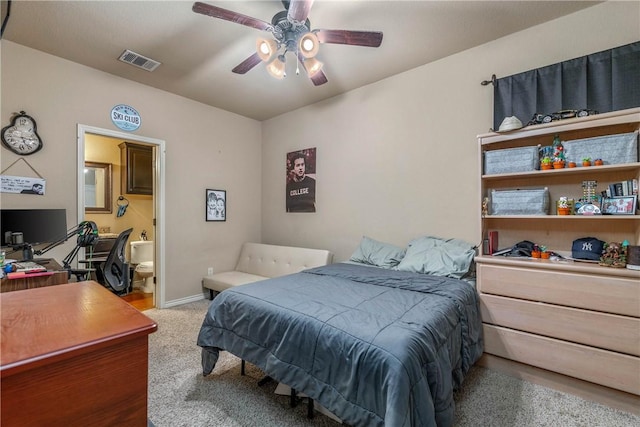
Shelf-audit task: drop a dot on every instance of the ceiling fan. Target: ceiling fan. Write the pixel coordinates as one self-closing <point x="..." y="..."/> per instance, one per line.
<point x="291" y="31"/>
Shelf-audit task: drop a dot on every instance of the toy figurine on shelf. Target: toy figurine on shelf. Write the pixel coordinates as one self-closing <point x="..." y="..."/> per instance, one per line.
<point x="544" y="253"/>
<point x="614" y="255"/>
<point x="558" y="153"/>
<point x="535" y="252"/>
<point x="546" y="157"/>
<point x="563" y="206"/>
<point x="589" y="204"/>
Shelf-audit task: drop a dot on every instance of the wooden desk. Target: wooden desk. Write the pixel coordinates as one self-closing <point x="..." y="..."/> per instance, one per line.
<point x="72" y="355"/>
<point x="57" y="277"/>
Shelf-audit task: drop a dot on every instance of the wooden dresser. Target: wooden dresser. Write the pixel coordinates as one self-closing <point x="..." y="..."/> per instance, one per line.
<point x="573" y="326"/>
<point x="72" y="355"/>
<point x="577" y="322"/>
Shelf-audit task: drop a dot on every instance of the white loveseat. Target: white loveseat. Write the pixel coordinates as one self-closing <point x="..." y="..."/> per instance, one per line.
<point x="258" y="261"/>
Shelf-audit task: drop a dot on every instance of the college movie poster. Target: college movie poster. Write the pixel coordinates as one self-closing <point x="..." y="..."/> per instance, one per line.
<point x="301" y="181"/>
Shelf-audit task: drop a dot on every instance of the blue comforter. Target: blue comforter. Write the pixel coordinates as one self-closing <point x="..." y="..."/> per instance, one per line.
<point x="374" y="346"/>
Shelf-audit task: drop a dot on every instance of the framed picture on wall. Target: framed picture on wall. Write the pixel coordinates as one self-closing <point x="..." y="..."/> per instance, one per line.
<point x="301" y="181"/>
<point x="216" y="205"/>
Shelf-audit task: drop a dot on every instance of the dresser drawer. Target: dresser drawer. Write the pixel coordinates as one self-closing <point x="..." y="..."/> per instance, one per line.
<point x="604" y="330"/>
<point x="619" y="295"/>
<point x="615" y="370"/>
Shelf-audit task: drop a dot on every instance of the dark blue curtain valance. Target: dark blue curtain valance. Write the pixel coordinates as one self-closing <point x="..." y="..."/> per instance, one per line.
<point x="604" y="81"/>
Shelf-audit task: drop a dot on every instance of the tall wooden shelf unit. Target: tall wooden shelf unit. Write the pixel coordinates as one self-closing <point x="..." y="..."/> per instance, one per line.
<point x="568" y="325"/>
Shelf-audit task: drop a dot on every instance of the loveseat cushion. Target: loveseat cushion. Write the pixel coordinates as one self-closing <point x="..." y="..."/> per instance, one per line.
<point x="225" y="280"/>
<point x="259" y="261"/>
<point x="275" y="261"/>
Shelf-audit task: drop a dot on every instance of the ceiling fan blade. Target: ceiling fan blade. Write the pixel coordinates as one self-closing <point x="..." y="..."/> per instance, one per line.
<point x="227" y="15"/>
<point x="355" y="38"/>
<point x="319" y="78"/>
<point x="247" y="64"/>
<point x="299" y="10"/>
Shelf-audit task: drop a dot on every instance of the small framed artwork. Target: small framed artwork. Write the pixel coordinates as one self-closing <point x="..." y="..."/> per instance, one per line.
<point x="216" y="205"/>
<point x="623" y="205"/>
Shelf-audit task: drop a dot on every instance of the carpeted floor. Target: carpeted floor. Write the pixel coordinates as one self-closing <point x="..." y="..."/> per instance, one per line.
<point x="180" y="396"/>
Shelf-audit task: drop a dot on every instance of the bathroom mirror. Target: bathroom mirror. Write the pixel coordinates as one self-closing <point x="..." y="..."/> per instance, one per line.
<point x="97" y="187"/>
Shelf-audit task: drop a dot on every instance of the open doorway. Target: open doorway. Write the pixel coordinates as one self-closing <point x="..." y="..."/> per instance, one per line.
<point x="148" y="217"/>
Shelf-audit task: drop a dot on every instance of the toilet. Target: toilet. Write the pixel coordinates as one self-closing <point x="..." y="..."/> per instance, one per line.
<point x="142" y="259"/>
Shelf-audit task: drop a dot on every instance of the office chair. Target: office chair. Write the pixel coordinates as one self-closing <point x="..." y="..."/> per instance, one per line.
<point x="112" y="272"/>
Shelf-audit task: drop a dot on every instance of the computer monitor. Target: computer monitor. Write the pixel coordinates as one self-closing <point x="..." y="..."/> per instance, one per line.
<point x="36" y="225"/>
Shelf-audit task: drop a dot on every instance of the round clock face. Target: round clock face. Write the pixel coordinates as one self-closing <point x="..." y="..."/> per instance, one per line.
<point x="21" y="136"/>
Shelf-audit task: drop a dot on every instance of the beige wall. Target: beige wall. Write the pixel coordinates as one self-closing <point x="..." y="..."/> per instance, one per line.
<point x="399" y="158"/>
<point x="396" y="159"/>
<point x="204" y="146"/>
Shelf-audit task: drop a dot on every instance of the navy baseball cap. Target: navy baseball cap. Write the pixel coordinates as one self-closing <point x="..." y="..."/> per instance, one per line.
<point x="587" y="248"/>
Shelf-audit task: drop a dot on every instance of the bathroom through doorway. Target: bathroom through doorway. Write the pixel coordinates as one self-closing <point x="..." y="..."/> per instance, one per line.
<point x="142" y="210"/>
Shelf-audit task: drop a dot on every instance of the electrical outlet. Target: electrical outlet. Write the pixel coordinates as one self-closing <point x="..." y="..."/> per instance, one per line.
<point x="209" y="271"/>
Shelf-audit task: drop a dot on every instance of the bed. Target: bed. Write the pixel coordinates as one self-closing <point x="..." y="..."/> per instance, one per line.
<point x="375" y="346"/>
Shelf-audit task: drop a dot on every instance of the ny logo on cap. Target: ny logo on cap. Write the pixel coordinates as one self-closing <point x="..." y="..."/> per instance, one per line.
<point x="586" y="246"/>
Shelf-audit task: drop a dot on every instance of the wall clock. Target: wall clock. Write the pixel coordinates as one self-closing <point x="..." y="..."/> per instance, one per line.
<point x="21" y="135"/>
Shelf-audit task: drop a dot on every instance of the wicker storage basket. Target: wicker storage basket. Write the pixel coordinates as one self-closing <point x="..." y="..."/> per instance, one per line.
<point x="612" y="149"/>
<point x="520" y="202"/>
<point x="511" y="160"/>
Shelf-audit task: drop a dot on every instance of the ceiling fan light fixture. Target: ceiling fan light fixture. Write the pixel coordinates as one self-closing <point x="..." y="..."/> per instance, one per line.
<point x="266" y="48"/>
<point x="313" y="66"/>
<point x="276" y="67"/>
<point x="309" y="45"/>
<point x="291" y="32"/>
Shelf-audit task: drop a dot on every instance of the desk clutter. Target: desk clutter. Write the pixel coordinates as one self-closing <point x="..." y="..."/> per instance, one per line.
<point x="105" y="263"/>
<point x="16" y="270"/>
<point x="36" y="273"/>
<point x="26" y="267"/>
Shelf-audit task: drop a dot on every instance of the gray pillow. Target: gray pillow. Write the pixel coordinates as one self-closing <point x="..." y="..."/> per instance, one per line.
<point x="380" y="254"/>
<point x="440" y="257"/>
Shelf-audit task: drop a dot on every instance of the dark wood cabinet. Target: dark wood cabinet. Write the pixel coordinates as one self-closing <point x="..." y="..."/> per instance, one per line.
<point x="137" y="168"/>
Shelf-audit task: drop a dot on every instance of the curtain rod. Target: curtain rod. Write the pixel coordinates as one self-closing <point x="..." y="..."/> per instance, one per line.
<point x="492" y="81"/>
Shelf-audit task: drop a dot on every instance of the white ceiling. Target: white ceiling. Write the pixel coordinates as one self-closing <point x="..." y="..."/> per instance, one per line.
<point x="197" y="52"/>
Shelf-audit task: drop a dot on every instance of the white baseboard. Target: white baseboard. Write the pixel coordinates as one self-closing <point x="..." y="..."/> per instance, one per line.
<point x="184" y="300"/>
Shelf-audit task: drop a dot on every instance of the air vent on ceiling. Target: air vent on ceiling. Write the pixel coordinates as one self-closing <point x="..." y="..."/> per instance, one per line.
<point x="138" y="60"/>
